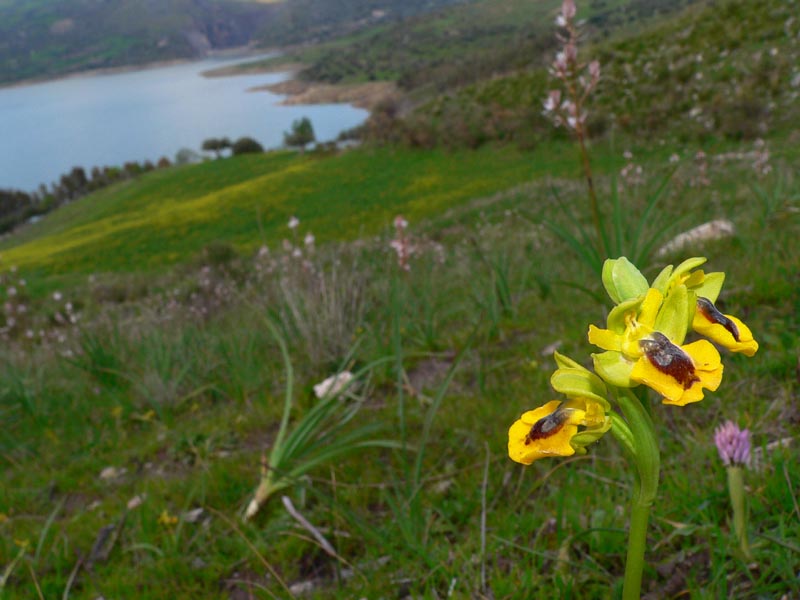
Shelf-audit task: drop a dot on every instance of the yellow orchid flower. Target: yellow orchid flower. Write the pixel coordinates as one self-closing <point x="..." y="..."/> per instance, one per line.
<point x="643" y="347"/>
<point x="643" y="343"/>
<point x="726" y="330"/>
<point x="708" y="321"/>
<point x="678" y="373"/>
<point x="552" y="430"/>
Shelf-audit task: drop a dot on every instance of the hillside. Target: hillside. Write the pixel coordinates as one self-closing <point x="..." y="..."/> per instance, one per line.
<point x="725" y="69"/>
<point x="456" y="46"/>
<point x="141" y="401"/>
<point x="315" y="374"/>
<point x="45" y="38"/>
<point x="167" y="217"/>
<point x="303" y="21"/>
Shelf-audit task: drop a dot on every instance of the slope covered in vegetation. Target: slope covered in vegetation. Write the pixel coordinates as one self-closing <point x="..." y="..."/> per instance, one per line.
<point x="727" y="69"/>
<point x="457" y="46"/>
<point x="164" y="342"/>
<point x="46" y="38"/>
<point x="171" y="215"/>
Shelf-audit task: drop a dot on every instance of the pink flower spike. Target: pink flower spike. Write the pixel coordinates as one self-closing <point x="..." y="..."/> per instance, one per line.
<point x="560" y="63"/>
<point x="552" y="101"/>
<point x="733" y="444"/>
<point x="594" y="72"/>
<point x="568" y="9"/>
<point x="571" y="52"/>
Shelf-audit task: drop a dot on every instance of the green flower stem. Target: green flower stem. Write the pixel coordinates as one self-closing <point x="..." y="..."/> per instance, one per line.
<point x="637" y="541"/>
<point x="640" y="433"/>
<point x="623" y="435"/>
<point x="736" y="489"/>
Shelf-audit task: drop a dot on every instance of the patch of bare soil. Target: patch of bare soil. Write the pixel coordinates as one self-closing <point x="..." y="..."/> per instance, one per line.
<point x="676" y="571"/>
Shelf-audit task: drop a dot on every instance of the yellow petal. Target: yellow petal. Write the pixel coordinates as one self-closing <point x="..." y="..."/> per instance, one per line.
<point x="681" y="382"/>
<point x="551" y="438"/>
<point x="645" y="372"/>
<point x="605" y="338"/>
<point x="720" y="329"/>
<point x="708" y="379"/>
<point x="650" y="307"/>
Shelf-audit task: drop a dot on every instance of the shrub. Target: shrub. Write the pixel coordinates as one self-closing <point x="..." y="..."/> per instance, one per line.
<point x="301" y="134"/>
<point x="216" y="145"/>
<point x="186" y="156"/>
<point x="246" y="145"/>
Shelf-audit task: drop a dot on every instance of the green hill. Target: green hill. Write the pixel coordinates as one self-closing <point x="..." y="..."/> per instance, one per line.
<point x="46" y="38"/>
<point x="726" y="69"/>
<point x="464" y="44"/>
<point x="50" y="38"/>
<point x="167" y="216"/>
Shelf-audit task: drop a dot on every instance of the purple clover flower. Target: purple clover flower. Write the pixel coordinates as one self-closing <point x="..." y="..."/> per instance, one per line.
<point x="733" y="444"/>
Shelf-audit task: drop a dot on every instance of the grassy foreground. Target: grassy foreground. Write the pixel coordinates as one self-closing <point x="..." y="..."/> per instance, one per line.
<point x="132" y="440"/>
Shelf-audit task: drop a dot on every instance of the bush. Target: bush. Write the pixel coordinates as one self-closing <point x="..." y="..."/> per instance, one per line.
<point x="301" y="134"/>
<point x="186" y="156"/>
<point x="216" y="145"/>
<point x="246" y="145"/>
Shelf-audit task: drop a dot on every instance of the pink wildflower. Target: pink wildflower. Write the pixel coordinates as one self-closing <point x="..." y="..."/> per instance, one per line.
<point x="733" y="444"/>
<point x="568" y="9"/>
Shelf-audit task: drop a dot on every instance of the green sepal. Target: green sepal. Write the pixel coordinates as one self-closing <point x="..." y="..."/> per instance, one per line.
<point x="623" y="280"/>
<point x="674" y="317"/>
<point x="580" y="440"/>
<point x="580" y="383"/>
<point x="614" y="368"/>
<point x="711" y="286"/>
<point x="565" y="362"/>
<point x="688" y="265"/>
<point x="661" y="282"/>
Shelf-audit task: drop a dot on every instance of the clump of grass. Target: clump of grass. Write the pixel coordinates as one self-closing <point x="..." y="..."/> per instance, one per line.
<point x="318" y="437"/>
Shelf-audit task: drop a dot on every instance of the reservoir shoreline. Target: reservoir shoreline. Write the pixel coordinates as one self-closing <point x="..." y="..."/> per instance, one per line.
<point x="140" y="114"/>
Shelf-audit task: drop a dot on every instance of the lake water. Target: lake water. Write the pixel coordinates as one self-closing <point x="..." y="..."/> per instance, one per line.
<point x="48" y="128"/>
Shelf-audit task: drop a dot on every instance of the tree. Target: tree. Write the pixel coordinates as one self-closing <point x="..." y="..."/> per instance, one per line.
<point x="246" y="145"/>
<point x="300" y="135"/>
<point x="186" y="156"/>
<point x="216" y="145"/>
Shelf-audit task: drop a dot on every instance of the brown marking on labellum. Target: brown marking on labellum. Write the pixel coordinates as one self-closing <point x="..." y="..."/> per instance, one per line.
<point x="669" y="359"/>
<point x="710" y="312"/>
<point x="547" y="426"/>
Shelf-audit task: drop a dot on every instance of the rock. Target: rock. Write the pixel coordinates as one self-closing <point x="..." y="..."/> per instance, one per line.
<point x="713" y="230"/>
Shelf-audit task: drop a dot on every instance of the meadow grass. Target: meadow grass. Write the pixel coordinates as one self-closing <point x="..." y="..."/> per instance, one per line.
<point x="167" y="393"/>
<point x="247" y="201"/>
<point x="134" y="437"/>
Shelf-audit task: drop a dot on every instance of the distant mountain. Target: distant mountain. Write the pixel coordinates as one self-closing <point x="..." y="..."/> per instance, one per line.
<point x="45" y="38"/>
<point x="41" y="38"/>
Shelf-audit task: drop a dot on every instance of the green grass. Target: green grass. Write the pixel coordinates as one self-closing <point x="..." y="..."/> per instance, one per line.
<point x="181" y="387"/>
<point x="247" y="201"/>
<point x="171" y="377"/>
<point x="711" y="71"/>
